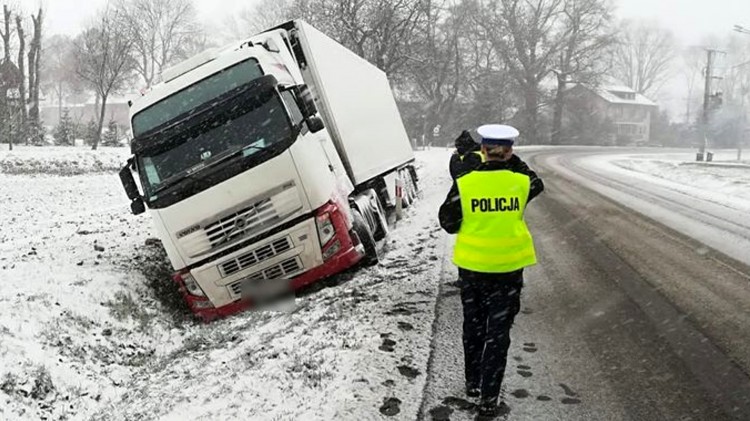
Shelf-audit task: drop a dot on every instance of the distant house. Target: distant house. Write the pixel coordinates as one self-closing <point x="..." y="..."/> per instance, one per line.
<point x="626" y="112"/>
<point x="117" y="109"/>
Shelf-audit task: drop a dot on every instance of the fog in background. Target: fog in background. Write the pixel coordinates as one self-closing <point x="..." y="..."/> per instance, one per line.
<point x="676" y="34"/>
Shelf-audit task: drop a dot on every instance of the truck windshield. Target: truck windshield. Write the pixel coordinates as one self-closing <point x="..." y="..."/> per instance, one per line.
<point x="192" y="97"/>
<point x="255" y="130"/>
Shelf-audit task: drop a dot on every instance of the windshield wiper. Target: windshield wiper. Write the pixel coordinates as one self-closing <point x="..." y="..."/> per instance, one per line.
<point x="199" y="168"/>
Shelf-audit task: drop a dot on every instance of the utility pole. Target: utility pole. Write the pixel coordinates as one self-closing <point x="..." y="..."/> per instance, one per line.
<point x="709" y="77"/>
<point x="708" y="74"/>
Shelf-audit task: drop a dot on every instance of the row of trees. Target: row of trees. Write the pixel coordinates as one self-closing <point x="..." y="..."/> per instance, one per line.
<point x="128" y="43"/>
<point x="461" y="63"/>
<point x="19" y="78"/>
<point x="453" y="63"/>
<point x="68" y="130"/>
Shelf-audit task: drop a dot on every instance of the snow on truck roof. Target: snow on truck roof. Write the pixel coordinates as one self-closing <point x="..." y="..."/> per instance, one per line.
<point x="207" y="62"/>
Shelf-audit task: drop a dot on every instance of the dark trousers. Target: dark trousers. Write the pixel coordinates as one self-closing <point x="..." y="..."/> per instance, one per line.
<point x="490" y="303"/>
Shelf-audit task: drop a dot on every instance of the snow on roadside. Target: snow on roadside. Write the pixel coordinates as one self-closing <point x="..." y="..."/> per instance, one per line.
<point x="84" y="334"/>
<point x="61" y="160"/>
<point x="729" y="186"/>
<point x="728" y="180"/>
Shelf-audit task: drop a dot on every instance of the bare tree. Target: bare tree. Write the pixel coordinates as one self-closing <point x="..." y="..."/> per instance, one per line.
<point x="736" y="71"/>
<point x="104" y="61"/>
<point x="263" y="15"/>
<point x="489" y="88"/>
<point x="730" y="118"/>
<point x="586" y="37"/>
<point x="436" y="69"/>
<point x="526" y="35"/>
<point x="381" y="31"/>
<point x="8" y="73"/>
<point x="162" y="32"/>
<point x="35" y="52"/>
<point x="22" y="82"/>
<point x="692" y="63"/>
<point x="6" y="34"/>
<point x="642" y="56"/>
<point x="59" y="64"/>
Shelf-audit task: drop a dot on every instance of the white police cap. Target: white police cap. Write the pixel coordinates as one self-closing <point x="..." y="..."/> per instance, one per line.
<point x="497" y="134"/>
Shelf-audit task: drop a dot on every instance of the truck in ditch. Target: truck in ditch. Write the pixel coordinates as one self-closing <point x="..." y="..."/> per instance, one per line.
<point x="270" y="162"/>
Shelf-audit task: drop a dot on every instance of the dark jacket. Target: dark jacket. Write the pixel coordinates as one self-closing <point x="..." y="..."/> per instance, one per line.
<point x="463" y="160"/>
<point x="450" y="214"/>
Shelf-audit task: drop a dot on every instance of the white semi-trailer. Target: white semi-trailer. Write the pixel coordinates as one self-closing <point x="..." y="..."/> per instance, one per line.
<point x="270" y="162"/>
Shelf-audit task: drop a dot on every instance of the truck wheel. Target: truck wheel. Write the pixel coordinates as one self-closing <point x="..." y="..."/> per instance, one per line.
<point x="409" y="187"/>
<point x="365" y="237"/>
<point x="413" y="182"/>
<point x="406" y="197"/>
<point x="382" y="229"/>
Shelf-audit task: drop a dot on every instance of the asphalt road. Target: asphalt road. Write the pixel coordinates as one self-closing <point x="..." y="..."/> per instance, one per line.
<point x="624" y="318"/>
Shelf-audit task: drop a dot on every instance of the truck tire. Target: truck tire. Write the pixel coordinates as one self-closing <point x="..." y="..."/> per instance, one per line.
<point x="406" y="197"/>
<point x="359" y="226"/>
<point x="382" y="229"/>
<point x="413" y="182"/>
<point x="409" y="187"/>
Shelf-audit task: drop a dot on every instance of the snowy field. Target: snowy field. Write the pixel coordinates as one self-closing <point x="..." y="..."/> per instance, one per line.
<point x="90" y="326"/>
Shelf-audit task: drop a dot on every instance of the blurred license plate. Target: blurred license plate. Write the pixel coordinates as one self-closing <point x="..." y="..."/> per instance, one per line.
<point x="264" y="290"/>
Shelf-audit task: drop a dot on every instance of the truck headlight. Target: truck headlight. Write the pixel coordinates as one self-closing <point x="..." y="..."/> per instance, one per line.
<point x="326" y="230"/>
<point x="190" y="284"/>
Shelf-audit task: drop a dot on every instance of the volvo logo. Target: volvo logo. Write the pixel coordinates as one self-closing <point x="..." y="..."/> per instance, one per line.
<point x="240" y="224"/>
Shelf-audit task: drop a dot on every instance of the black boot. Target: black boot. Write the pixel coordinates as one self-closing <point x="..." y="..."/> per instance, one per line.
<point x="490" y="410"/>
<point x="472" y="391"/>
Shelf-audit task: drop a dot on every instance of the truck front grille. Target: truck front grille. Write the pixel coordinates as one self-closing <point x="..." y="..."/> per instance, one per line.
<point x="235" y="226"/>
<point x="253" y="218"/>
<point x="283" y="270"/>
<point x="255" y="256"/>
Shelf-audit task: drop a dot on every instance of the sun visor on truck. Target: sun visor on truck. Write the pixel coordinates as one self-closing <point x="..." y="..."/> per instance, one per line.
<point x="241" y="99"/>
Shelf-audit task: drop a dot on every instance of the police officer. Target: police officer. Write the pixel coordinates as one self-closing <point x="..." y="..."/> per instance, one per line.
<point x="467" y="155"/>
<point x="485" y="209"/>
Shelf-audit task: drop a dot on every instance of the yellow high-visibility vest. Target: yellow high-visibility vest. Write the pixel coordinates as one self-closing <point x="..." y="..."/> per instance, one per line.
<point x="481" y="155"/>
<point x="493" y="237"/>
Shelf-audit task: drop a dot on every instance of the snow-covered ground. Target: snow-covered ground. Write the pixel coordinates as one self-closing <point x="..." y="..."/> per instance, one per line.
<point x="722" y="177"/>
<point x="91" y="328"/>
<point x="61" y="160"/>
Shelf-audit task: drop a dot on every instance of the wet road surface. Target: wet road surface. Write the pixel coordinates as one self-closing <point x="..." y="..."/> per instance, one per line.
<point x="623" y="318"/>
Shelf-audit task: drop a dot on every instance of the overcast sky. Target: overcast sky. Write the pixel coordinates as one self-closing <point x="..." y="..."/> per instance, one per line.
<point x="69" y="16"/>
<point x="690" y="20"/>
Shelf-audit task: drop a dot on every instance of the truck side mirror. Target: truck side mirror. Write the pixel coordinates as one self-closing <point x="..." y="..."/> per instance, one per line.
<point x="315" y="124"/>
<point x="306" y="102"/>
<point x="137" y="206"/>
<point x="131" y="189"/>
